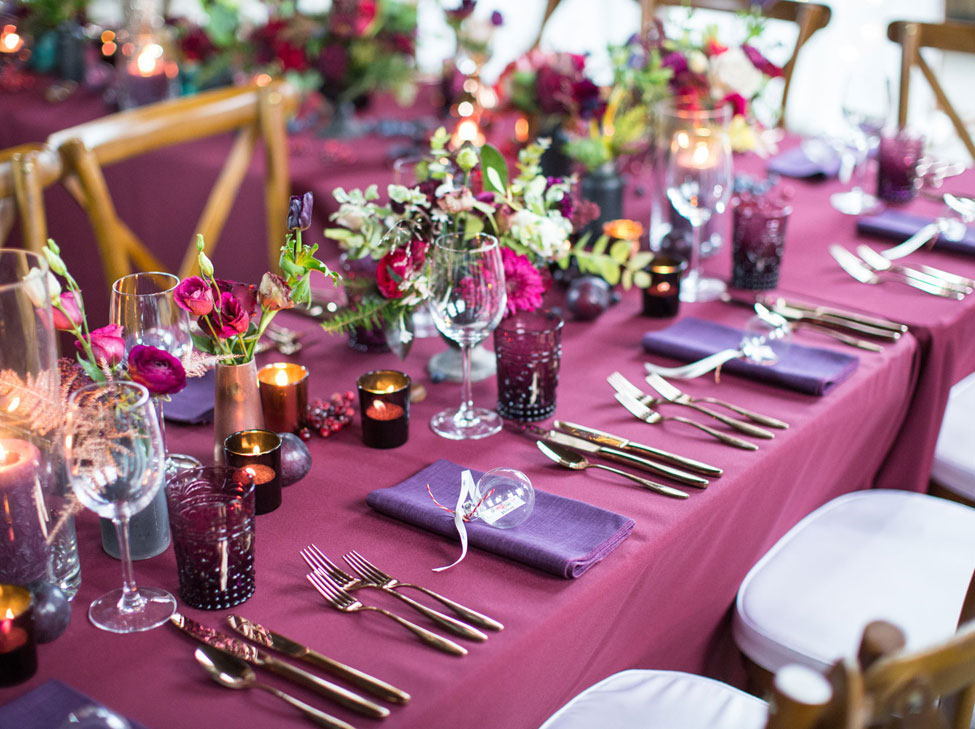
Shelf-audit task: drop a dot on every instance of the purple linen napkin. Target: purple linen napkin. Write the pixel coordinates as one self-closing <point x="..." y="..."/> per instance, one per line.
<point x="46" y="707"/>
<point x="562" y="536"/>
<point x="193" y="404"/>
<point x="810" y="370"/>
<point x="796" y="163"/>
<point x="900" y="226"/>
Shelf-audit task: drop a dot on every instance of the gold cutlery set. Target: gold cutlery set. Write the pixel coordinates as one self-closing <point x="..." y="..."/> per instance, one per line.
<point x="230" y="660"/>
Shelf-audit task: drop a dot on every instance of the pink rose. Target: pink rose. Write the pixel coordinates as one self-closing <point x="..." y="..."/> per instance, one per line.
<point x="71" y="317"/>
<point x="107" y="345"/>
<point x="231" y="319"/>
<point x="194" y="295"/>
<point x="158" y="371"/>
<point x="397" y="266"/>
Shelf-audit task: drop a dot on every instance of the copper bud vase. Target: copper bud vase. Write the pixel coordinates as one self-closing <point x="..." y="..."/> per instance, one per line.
<point x="237" y="404"/>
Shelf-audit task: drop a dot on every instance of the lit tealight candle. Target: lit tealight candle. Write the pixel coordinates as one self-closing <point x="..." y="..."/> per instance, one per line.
<point x="10" y="40"/>
<point x="384" y="401"/>
<point x="23" y="548"/>
<point x="258" y="452"/>
<point x="284" y="396"/>
<point x="18" y="649"/>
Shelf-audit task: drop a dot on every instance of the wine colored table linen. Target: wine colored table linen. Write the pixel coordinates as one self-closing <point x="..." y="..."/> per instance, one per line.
<point x="899" y="225"/>
<point x="812" y="370"/>
<point x="563" y="537"/>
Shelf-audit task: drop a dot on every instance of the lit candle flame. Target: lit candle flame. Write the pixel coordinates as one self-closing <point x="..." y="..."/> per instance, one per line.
<point x="147" y="60"/>
<point x="380" y="407"/>
<point x="281" y="377"/>
<point x="702" y="154"/>
<point x="256" y="450"/>
<point x="10" y="41"/>
<point x="10" y="615"/>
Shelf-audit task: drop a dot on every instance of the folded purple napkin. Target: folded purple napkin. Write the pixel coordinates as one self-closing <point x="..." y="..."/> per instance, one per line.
<point x="810" y="370"/>
<point x="900" y="225"/>
<point x="46" y="707"/>
<point x="193" y="404"/>
<point x="562" y="536"/>
<point x="797" y="162"/>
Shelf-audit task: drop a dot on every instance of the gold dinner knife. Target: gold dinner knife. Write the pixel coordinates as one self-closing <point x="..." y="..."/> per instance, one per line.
<point x="275" y="641"/>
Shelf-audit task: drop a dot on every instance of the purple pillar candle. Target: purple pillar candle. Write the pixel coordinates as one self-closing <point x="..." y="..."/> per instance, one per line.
<point x="897" y="159"/>
<point x="758" y="240"/>
<point x="23" y="549"/>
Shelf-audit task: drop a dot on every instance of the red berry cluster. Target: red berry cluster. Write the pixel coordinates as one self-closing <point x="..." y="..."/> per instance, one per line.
<point x="330" y="416"/>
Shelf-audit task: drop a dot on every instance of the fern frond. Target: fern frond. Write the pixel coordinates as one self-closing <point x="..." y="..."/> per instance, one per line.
<point x="34" y="402"/>
<point x="369" y="313"/>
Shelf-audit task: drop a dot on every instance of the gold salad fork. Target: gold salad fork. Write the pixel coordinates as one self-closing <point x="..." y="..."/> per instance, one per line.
<point x="316" y="559"/>
<point x="343" y="601"/>
<point x="368" y="571"/>
<point x="642" y="412"/>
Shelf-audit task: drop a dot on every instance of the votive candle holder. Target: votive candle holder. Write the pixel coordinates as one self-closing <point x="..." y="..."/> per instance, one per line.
<point x="18" y="647"/>
<point x="284" y="396"/>
<point x="384" y="403"/>
<point x="258" y="452"/>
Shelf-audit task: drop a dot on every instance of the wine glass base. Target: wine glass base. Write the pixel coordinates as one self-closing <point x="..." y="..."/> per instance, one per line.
<point x="176" y="462"/>
<point x="701" y="289"/>
<point x="854" y="202"/>
<point x="483" y="423"/>
<point x="105" y="613"/>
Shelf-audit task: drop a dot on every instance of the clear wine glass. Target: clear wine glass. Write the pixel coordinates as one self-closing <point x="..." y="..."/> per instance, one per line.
<point x="699" y="182"/>
<point x="467" y="301"/>
<point x="116" y="464"/>
<point x="143" y="305"/>
<point x="866" y="109"/>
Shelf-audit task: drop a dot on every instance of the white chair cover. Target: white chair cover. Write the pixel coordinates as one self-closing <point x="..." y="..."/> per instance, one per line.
<point x="893" y="555"/>
<point x="954" y="456"/>
<point x="638" y="699"/>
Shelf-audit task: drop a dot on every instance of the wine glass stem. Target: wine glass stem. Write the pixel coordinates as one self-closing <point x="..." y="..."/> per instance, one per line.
<point x="131" y="601"/>
<point x="465" y="412"/>
<point x="694" y="265"/>
<point x="162" y="424"/>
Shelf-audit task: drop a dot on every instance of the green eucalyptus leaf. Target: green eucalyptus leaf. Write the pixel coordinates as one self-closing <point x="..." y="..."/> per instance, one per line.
<point x="495" y="169"/>
<point x="599" y="247"/>
<point x="620" y="251"/>
<point x="641" y="260"/>
<point x="641" y="279"/>
<point x="627" y="279"/>
<point x="610" y="271"/>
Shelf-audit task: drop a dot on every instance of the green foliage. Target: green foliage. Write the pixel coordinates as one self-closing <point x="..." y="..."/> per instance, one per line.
<point x="370" y="312"/>
<point x="613" y="260"/>
<point x="495" y="169"/>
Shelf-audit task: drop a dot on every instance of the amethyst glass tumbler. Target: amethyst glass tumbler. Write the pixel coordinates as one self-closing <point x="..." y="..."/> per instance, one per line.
<point x="211" y="514"/>
<point x="528" y="347"/>
<point x="897" y="160"/>
<point x="757" y="240"/>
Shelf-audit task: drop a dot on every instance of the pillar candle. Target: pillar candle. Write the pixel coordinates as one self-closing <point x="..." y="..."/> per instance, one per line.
<point x="23" y="546"/>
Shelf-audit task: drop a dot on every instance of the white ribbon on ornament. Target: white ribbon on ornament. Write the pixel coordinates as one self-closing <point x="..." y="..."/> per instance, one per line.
<point x="465" y="496"/>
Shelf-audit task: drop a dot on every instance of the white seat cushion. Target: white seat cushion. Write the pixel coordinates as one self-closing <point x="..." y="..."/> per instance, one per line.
<point x="639" y="699"/>
<point x="868" y="555"/>
<point x="954" y="456"/>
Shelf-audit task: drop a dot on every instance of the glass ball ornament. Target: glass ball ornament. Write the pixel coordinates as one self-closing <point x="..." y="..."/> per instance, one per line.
<point x="505" y="498"/>
<point x="764" y="342"/>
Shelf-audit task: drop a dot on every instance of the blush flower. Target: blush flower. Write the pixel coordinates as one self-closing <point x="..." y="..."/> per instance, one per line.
<point x="68" y="315"/>
<point x="522" y="281"/>
<point x="107" y="345"/>
<point x="158" y="371"/>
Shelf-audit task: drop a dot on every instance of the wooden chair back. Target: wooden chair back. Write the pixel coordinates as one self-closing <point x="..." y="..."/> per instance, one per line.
<point x="258" y="113"/>
<point x="25" y="172"/>
<point x="912" y="37"/>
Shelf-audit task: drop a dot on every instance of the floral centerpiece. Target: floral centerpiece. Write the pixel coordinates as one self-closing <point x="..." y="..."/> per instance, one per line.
<point x="466" y="191"/>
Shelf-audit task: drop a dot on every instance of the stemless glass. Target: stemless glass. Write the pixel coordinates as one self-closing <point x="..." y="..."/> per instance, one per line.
<point x="143" y="305"/>
<point x="866" y="106"/>
<point x="467" y="301"/>
<point x="699" y="184"/>
<point x="116" y="465"/>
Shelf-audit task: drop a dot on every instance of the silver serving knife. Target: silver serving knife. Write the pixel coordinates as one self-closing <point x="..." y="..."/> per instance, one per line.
<point x="236" y="647"/>
<point x="872" y="321"/>
<point x="615" y="455"/>
<point x="275" y="641"/>
<point x="612" y="441"/>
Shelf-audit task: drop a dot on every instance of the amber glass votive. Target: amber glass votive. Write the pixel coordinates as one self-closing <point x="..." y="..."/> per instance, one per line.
<point x="284" y="396"/>
<point x="18" y="649"/>
<point x="661" y="298"/>
<point x="259" y="453"/>
<point x="384" y="402"/>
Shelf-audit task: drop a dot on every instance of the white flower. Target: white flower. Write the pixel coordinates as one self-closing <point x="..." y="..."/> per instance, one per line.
<point x="546" y="236"/>
<point x="697" y="62"/>
<point x="191" y="10"/>
<point x="34" y="285"/>
<point x="732" y="72"/>
<point x="351" y="217"/>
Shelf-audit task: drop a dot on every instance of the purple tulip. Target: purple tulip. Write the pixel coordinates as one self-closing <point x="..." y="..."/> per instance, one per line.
<point x="107" y="345"/>
<point x="299" y="212"/>
<point x="194" y="295"/>
<point x="231" y="320"/>
<point x="70" y="318"/>
<point x="158" y="371"/>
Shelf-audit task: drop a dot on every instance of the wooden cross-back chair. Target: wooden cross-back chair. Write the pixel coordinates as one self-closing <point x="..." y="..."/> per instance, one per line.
<point x="948" y="36"/>
<point x="25" y="172"/>
<point x="809" y="17"/>
<point x="258" y="113"/>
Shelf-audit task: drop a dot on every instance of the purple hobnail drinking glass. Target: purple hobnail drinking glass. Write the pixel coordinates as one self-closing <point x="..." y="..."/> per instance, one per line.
<point x="528" y="346"/>
<point x="758" y="240"/>
<point x="897" y="160"/>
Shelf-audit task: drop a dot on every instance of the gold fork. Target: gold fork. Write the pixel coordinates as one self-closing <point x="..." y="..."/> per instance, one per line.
<point x="642" y="412"/>
<point x="316" y="559"/>
<point x="370" y="572"/>
<point x="341" y="600"/>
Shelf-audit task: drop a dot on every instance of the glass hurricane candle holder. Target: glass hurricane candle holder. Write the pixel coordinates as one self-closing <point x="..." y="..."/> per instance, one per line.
<point x="258" y="452"/>
<point x="284" y="396"/>
<point x="18" y="649"/>
<point x="384" y="402"/>
<point x="148" y="71"/>
<point x="661" y="298"/>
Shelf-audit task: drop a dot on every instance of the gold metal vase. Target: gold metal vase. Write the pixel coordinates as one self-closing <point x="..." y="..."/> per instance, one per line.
<point x="237" y="403"/>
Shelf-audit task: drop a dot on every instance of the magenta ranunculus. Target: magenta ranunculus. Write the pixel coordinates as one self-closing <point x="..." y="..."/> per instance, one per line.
<point x="194" y="295"/>
<point x="71" y="316"/>
<point x="158" y="371"/>
<point x="246" y="294"/>
<point x="107" y="344"/>
<point x="230" y="320"/>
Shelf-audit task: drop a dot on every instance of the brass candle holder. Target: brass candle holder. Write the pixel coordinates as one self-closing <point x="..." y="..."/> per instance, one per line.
<point x="258" y="452"/>
<point x="284" y="396"/>
<point x="384" y="403"/>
